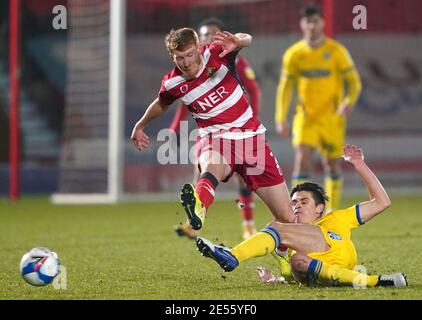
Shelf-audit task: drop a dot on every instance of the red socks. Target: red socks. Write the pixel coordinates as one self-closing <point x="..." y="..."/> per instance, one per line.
<point x="205" y="188"/>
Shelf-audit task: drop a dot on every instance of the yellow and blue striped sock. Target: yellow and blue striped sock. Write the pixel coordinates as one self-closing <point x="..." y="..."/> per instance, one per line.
<point x="260" y="244"/>
<point x="331" y="275"/>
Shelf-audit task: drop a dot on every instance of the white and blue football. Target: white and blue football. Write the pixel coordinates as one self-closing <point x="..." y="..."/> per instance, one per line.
<point x="39" y="266"/>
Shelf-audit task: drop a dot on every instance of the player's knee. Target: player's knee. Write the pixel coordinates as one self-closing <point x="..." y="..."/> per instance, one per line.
<point x="299" y="264"/>
<point x="211" y="157"/>
<point x="219" y="171"/>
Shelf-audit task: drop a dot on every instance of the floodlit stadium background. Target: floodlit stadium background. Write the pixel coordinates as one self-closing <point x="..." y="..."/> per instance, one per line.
<point x="65" y="87"/>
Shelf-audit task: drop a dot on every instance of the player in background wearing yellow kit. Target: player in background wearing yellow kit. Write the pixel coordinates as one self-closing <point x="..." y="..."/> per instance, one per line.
<point x="322" y="249"/>
<point x="318" y="69"/>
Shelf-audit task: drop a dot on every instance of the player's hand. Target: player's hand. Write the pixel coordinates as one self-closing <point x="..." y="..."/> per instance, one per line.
<point x="344" y="109"/>
<point x="283" y="130"/>
<point x="139" y="138"/>
<point x="353" y="154"/>
<point x="267" y="277"/>
<point x="227" y="40"/>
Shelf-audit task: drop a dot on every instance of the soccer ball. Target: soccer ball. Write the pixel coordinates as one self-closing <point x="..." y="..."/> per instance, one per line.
<point x="39" y="266"/>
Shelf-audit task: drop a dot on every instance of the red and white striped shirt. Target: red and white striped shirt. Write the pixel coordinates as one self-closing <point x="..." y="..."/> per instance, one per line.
<point x="215" y="97"/>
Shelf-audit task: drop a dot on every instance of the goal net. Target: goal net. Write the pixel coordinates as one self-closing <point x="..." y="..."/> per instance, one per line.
<point x="90" y="160"/>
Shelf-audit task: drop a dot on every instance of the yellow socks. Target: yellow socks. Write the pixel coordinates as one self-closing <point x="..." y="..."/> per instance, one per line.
<point x="333" y="187"/>
<point x="336" y="276"/>
<point x="260" y="244"/>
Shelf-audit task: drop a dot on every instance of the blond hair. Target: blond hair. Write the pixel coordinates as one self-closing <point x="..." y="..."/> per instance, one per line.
<point x="179" y="39"/>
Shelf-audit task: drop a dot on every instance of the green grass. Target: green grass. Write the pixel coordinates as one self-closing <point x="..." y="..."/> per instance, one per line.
<point x="130" y="251"/>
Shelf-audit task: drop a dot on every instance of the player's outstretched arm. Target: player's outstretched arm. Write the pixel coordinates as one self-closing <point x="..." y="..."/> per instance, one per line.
<point x="284" y="93"/>
<point x="232" y="42"/>
<point x="139" y="137"/>
<point x="283" y="98"/>
<point x="379" y="199"/>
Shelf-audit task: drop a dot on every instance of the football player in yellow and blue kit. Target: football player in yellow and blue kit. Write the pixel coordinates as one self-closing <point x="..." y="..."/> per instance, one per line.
<point x="322" y="251"/>
<point x="319" y="70"/>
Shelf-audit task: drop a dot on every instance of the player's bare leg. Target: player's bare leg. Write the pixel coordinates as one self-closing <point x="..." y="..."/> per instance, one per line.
<point x="303" y="166"/>
<point x="246" y="205"/>
<point x="277" y="199"/>
<point x="304" y="238"/>
<point x="195" y="175"/>
<point x="213" y="162"/>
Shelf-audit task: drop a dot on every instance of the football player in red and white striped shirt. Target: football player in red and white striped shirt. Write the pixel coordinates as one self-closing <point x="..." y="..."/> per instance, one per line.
<point x="231" y="137"/>
<point x="206" y="31"/>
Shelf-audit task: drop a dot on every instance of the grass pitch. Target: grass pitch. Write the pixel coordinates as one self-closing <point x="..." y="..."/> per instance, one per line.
<point x="130" y="251"/>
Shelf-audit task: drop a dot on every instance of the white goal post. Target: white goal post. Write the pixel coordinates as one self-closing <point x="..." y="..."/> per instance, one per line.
<point x="116" y="101"/>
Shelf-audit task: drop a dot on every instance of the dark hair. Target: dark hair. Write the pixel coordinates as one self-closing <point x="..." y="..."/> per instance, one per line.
<point x="318" y="192"/>
<point x="311" y="10"/>
<point x="212" y="22"/>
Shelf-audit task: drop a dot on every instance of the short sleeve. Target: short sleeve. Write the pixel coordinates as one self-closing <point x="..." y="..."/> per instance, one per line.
<point x="164" y="96"/>
<point x="349" y="217"/>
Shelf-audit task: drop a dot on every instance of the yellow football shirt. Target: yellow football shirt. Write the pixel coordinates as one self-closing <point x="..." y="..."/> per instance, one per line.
<point x="318" y="75"/>
<point x="336" y="227"/>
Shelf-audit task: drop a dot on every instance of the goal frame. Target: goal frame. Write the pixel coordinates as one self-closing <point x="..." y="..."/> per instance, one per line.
<point x="115" y="115"/>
